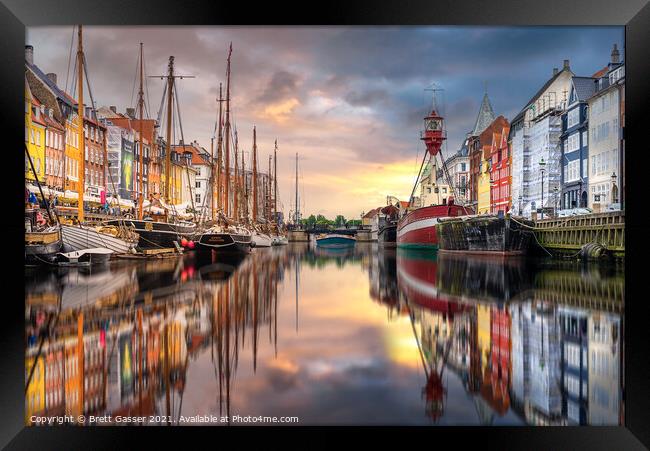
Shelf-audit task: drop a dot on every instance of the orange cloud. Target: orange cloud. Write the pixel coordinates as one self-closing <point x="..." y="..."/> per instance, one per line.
<point x="280" y="112"/>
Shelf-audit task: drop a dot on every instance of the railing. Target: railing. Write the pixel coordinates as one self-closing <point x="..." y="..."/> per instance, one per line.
<point x="573" y="232"/>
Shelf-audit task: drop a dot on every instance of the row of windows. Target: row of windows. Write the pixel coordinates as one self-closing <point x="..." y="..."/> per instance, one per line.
<point x="54" y="140"/>
<point x="72" y="168"/>
<point x="96" y="177"/>
<point x="96" y="155"/>
<point x="573" y="117"/>
<point x="501" y="192"/>
<point x="94" y="134"/>
<point x="72" y="140"/>
<point x="602" y="104"/>
<point x="604" y="163"/>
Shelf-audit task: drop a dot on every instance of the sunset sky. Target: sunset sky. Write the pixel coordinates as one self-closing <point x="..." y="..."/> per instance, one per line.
<point x="349" y="100"/>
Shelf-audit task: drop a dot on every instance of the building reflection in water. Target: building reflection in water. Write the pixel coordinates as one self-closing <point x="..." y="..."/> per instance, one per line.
<point x="540" y="342"/>
<point x="543" y="341"/>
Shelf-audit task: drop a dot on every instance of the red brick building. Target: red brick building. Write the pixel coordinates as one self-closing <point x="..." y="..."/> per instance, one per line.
<point x="501" y="179"/>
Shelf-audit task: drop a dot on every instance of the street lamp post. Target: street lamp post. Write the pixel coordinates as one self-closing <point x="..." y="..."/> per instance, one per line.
<point x="542" y="168"/>
<point x="613" y="177"/>
<point x="555" y="201"/>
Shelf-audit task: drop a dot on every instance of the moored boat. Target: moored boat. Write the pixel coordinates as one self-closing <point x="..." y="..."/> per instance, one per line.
<point x="417" y="229"/>
<point x="79" y="237"/>
<point x="231" y="240"/>
<point x="484" y="235"/>
<point x="260" y="239"/>
<point x="335" y="240"/>
<point x="280" y="240"/>
<point x="42" y="247"/>
<point x="387" y="235"/>
<point x="156" y="235"/>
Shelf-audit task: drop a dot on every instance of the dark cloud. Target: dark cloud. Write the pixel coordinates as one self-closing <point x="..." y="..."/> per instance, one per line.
<point x="369" y="97"/>
<point x="282" y="85"/>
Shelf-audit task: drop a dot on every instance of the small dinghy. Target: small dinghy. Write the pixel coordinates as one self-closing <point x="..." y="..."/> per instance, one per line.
<point x="84" y="257"/>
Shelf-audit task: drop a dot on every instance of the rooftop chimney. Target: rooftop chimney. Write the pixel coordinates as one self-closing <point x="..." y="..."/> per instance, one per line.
<point x="566" y="65"/>
<point x="113" y="109"/>
<point x="555" y="71"/>
<point x="29" y="54"/>
<point x="615" y="55"/>
<point x="52" y="76"/>
<point x="130" y="112"/>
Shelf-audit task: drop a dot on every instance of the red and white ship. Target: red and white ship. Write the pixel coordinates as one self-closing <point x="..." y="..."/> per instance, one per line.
<point x="417" y="228"/>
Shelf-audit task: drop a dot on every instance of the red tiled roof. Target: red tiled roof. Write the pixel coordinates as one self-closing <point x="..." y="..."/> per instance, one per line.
<point x="134" y="124"/>
<point x="600" y="73"/>
<point x="196" y="158"/>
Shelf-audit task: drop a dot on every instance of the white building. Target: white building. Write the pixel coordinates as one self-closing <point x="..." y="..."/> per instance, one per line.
<point x="535" y="135"/>
<point x="604" y="356"/>
<point x="605" y="138"/>
<point x="458" y="169"/>
<point x="434" y="190"/>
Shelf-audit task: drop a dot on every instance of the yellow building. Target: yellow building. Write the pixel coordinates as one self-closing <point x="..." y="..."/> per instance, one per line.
<point x="176" y="185"/>
<point x="72" y="153"/>
<point x="35" y="395"/>
<point x="484" y="183"/>
<point x="484" y="334"/>
<point x="34" y="136"/>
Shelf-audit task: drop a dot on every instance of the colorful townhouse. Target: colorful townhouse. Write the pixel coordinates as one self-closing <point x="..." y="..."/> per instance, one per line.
<point x="34" y="137"/>
<point x="483" y="120"/>
<point x="60" y="108"/>
<point x="486" y="142"/>
<point x="535" y="143"/>
<point x="606" y="138"/>
<point x="54" y="151"/>
<point x="575" y="144"/>
<point x="500" y="178"/>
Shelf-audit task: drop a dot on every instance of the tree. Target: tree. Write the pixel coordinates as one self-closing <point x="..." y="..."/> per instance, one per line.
<point x="339" y="221"/>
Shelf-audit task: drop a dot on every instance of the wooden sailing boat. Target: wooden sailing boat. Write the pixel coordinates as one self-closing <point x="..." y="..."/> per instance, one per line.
<point x="228" y="235"/>
<point x="163" y="234"/>
<point x="81" y="237"/>
<point x="279" y="238"/>
<point x="260" y="239"/>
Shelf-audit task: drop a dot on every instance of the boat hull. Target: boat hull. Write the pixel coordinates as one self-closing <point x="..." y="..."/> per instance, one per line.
<point x="484" y="235"/>
<point x="156" y="235"/>
<point x="387" y="235"/>
<point x="418" y="228"/>
<point x="261" y="240"/>
<point x="224" y="242"/>
<point x="43" y="252"/>
<point x="78" y="238"/>
<point x="335" y="241"/>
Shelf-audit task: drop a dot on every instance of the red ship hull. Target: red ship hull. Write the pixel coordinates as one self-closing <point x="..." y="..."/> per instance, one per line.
<point x="418" y="228"/>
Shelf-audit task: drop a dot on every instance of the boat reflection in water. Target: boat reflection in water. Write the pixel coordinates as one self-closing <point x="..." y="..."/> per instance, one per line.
<point x="534" y="342"/>
<point x="301" y="331"/>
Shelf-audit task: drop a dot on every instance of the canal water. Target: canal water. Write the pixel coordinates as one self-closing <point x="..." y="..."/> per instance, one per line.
<point x="327" y="337"/>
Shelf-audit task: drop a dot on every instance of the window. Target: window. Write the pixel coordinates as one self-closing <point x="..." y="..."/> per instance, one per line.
<point x="573" y="142"/>
<point x="572" y="171"/>
<point x="463" y="167"/>
<point x="198" y="184"/>
<point x="585" y="140"/>
<point x="585" y="173"/>
<point x="573" y="117"/>
<point x="198" y="198"/>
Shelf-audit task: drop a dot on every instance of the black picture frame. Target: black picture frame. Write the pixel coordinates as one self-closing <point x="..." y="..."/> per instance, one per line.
<point x="633" y="14"/>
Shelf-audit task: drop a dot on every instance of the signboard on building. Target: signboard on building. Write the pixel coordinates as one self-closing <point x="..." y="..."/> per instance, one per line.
<point x="126" y="179"/>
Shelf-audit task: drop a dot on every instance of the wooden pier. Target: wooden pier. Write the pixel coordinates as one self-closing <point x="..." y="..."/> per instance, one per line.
<point x="568" y="235"/>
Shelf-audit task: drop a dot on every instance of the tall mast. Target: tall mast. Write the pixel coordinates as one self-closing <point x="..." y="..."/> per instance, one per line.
<point x="227" y="135"/>
<point x="236" y="187"/>
<point x="168" y="153"/>
<point x="80" y="109"/>
<point x="275" y="181"/>
<point x="141" y="105"/>
<point x="268" y="201"/>
<point x="296" y="213"/>
<point x="254" y="175"/>
<point x="219" y="153"/>
<point x="244" y="188"/>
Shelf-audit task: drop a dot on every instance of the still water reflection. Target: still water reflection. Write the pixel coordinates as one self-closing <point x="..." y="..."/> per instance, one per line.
<point x="363" y="336"/>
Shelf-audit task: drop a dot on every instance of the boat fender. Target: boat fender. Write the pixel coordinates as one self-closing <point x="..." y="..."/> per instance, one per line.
<point x="190" y="244"/>
<point x="591" y="251"/>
